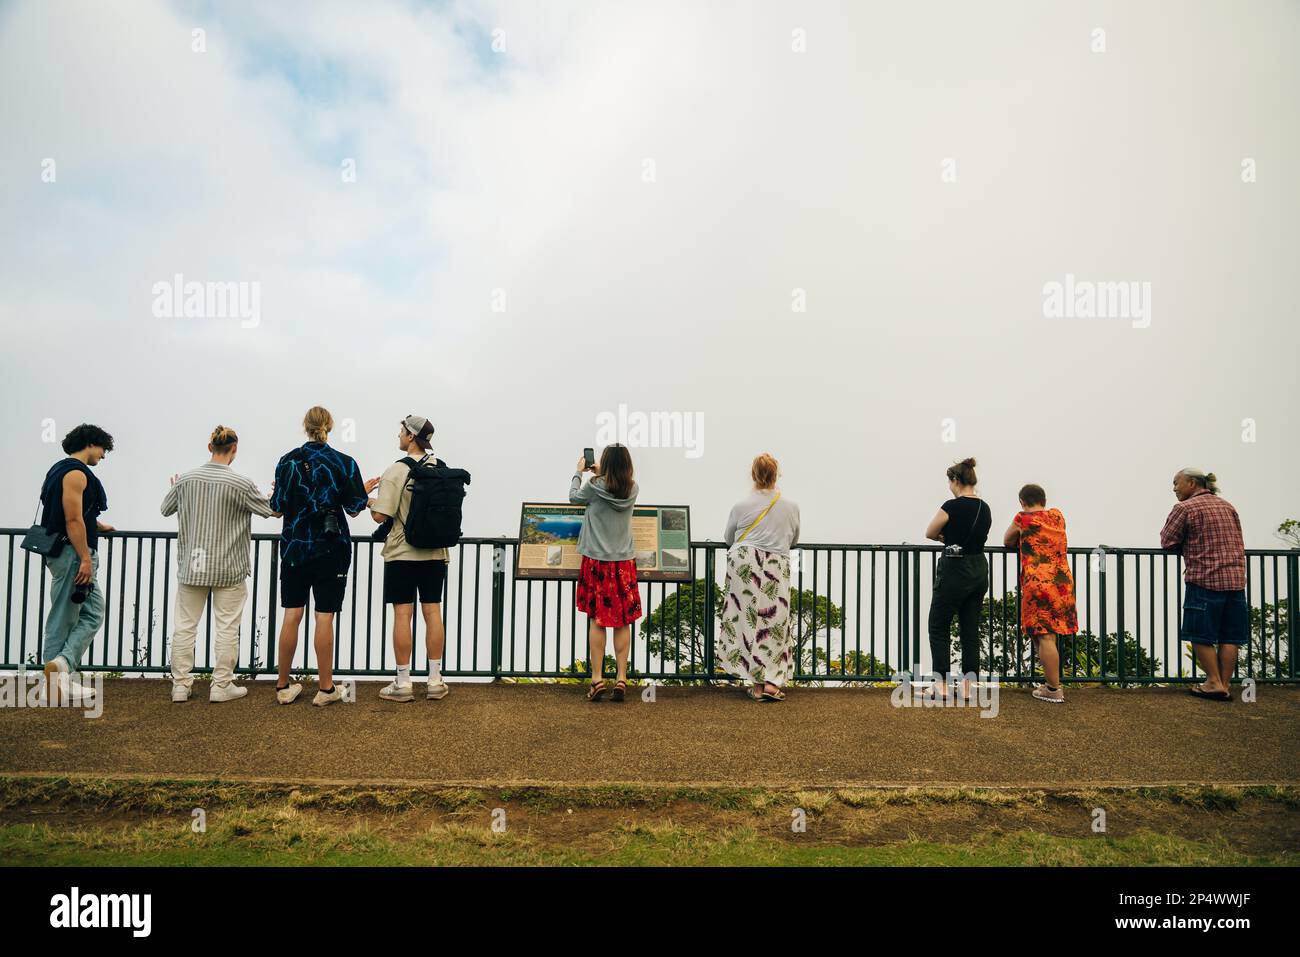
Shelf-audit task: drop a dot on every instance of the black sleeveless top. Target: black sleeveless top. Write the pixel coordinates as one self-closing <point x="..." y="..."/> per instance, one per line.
<point x="93" y="500"/>
<point x="969" y="521"/>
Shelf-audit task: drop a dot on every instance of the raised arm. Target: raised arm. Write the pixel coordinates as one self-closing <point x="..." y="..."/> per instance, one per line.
<point x="384" y="505"/>
<point x="578" y="493"/>
<point x="169" y="500"/>
<point x="357" y="492"/>
<point x="256" y="502"/>
<point x="278" y="484"/>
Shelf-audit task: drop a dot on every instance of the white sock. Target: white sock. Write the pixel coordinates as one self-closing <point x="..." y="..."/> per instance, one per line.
<point x="435" y="672"/>
<point x="404" y="675"/>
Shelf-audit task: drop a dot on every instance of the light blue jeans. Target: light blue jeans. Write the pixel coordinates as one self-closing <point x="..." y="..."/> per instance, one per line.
<point x="70" y="627"/>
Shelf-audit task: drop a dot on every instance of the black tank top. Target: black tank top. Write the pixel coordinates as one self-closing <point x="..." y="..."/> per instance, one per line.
<point x="969" y="521"/>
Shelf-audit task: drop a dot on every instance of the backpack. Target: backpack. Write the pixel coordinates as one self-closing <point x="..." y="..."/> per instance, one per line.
<point x="434" y="516"/>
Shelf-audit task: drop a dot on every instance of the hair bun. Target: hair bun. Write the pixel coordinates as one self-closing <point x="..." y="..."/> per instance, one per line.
<point x="969" y="462"/>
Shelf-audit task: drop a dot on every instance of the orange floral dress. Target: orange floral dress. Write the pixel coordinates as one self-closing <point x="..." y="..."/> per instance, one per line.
<point x="1046" y="585"/>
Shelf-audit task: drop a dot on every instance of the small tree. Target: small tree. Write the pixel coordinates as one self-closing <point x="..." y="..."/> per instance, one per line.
<point x="675" y="630"/>
<point x="813" y="618"/>
<point x="861" y="663"/>
<point x="1269" y="654"/>
<point x="575" y="673"/>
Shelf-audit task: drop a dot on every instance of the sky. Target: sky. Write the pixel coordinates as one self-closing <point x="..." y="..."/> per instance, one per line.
<point x="820" y="230"/>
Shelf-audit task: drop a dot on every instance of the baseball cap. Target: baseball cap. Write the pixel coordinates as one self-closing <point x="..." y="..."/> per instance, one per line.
<point x="421" y="428"/>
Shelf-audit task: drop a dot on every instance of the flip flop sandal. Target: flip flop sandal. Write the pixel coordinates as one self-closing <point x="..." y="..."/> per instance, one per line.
<point x="597" y="691"/>
<point x="1197" y="692"/>
<point x="620" y="691"/>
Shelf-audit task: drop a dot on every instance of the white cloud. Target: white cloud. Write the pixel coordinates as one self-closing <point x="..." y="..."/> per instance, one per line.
<point x="522" y="171"/>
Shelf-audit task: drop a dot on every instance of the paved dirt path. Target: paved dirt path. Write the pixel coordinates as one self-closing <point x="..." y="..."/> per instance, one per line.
<point x="547" y="734"/>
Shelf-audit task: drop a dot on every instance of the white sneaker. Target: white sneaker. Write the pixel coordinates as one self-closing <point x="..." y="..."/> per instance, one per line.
<point x="395" y="692"/>
<point x="289" y="694"/>
<point x="229" y="692"/>
<point x="437" y="690"/>
<point x="322" y="699"/>
<point x="80" y="694"/>
<point x="180" y="693"/>
<point x="56" y="670"/>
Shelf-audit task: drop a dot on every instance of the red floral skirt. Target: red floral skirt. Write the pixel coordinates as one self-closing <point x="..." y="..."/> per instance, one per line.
<point x="607" y="591"/>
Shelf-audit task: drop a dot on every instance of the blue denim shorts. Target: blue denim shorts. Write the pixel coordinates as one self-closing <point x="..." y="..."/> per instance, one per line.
<point x="1214" y="617"/>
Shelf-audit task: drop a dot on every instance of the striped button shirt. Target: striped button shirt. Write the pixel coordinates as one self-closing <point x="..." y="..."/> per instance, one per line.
<point x="1207" y="531"/>
<point x="215" y="505"/>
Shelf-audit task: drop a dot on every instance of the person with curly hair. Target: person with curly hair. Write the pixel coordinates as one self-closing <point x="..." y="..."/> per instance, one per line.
<point x="72" y="500"/>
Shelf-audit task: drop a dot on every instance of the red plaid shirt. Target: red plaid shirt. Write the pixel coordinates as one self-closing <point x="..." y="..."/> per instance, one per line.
<point x="1208" y="532"/>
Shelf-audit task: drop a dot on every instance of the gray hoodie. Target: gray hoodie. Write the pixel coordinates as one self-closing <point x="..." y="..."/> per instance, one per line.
<point x="606" y="532"/>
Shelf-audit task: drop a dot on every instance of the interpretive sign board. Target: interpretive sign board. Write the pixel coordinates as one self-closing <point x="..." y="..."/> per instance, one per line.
<point x="548" y="542"/>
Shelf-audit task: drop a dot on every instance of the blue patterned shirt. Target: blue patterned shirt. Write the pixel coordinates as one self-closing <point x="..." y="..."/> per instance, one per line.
<point x="315" y="486"/>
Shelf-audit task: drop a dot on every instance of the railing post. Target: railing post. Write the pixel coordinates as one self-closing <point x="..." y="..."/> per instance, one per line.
<point x="902" y="619"/>
<point x="498" y="607"/>
<point x="1292" y="616"/>
<point x="709" y="612"/>
<point x="1101" y="609"/>
<point x="1119" y="613"/>
<point x="904" y="609"/>
<point x="916" y="613"/>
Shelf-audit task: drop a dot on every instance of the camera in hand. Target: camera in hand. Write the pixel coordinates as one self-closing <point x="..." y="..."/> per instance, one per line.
<point x="81" y="592"/>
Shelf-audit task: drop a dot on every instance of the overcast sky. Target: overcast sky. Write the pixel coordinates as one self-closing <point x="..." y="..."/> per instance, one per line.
<point x="626" y="203"/>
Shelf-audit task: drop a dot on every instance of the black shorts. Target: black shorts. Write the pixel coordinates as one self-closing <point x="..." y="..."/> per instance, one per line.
<point x="403" y="579"/>
<point x="325" y="578"/>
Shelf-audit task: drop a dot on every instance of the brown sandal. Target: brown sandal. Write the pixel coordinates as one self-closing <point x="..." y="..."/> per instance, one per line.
<point x="597" y="690"/>
<point x="620" y="691"/>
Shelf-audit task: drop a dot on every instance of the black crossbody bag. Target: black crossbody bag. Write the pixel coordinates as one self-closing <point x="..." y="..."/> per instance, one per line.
<point x="957" y="551"/>
<point x="39" y="540"/>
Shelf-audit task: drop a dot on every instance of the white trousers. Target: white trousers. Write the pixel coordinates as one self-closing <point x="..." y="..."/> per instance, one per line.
<point x="227" y="606"/>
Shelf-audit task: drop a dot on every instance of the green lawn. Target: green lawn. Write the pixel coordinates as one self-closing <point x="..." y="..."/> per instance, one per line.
<point x="98" y="822"/>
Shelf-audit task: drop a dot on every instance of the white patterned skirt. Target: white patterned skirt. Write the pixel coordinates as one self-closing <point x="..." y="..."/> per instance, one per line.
<point x="754" y="640"/>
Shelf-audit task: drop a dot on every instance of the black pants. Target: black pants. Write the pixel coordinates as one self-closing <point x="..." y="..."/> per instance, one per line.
<point x="959" y="590"/>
